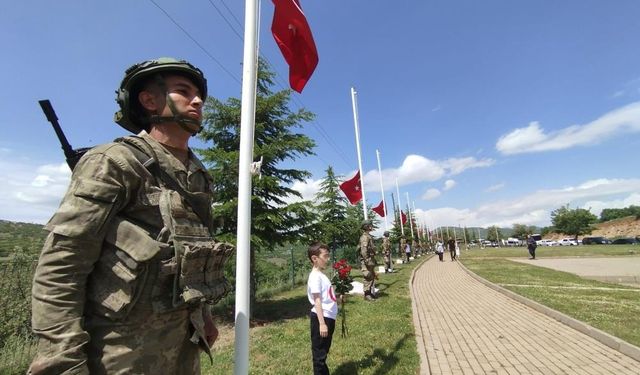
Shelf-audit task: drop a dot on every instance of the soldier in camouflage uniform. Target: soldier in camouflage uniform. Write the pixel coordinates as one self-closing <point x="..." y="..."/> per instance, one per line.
<point x="129" y="270"/>
<point x="401" y="247"/>
<point x="367" y="259"/>
<point x="386" y="251"/>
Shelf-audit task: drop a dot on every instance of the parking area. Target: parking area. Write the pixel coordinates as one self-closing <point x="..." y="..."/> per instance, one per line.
<point x="622" y="270"/>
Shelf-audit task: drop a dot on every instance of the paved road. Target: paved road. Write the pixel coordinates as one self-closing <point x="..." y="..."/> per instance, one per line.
<point x="468" y="328"/>
<point x="625" y="270"/>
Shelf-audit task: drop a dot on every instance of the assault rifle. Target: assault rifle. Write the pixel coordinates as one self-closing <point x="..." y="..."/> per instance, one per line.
<point x="70" y="154"/>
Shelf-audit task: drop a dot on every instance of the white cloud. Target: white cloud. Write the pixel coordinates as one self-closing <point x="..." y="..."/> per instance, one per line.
<point x="31" y="193"/>
<point x="308" y="189"/>
<point x="436" y="108"/>
<point x="534" y="139"/>
<point x="448" y="185"/>
<point x="495" y="187"/>
<point x="431" y="194"/>
<point x="535" y="208"/>
<point x="417" y="168"/>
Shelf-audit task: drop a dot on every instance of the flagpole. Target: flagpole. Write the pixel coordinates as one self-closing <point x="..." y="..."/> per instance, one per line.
<point x="399" y="208"/>
<point x="413" y="203"/>
<point x="243" y="256"/>
<point x="384" y="204"/>
<point x="355" y="124"/>
<point x="409" y="209"/>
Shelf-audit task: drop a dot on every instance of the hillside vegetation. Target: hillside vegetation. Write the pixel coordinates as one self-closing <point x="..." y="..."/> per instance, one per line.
<point x="20" y="238"/>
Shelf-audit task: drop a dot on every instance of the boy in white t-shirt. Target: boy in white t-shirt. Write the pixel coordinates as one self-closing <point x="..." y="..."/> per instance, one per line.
<point x="324" y="307"/>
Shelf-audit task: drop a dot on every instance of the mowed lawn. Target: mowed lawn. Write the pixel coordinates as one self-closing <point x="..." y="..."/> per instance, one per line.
<point x="380" y="340"/>
<point x="613" y="308"/>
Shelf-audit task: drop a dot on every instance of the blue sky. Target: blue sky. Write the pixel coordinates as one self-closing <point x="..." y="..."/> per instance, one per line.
<point x="487" y="112"/>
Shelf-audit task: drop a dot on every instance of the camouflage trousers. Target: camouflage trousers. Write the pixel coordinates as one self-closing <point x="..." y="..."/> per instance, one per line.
<point x="157" y="344"/>
<point x="369" y="274"/>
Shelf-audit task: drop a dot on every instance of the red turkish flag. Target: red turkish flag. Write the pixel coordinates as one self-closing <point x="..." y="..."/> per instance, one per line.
<point x="293" y="35"/>
<point x="379" y="209"/>
<point x="351" y="188"/>
<point x="404" y="217"/>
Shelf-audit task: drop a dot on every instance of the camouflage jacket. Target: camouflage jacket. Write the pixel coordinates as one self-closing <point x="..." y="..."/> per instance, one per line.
<point x="367" y="249"/>
<point x="386" y="245"/>
<point x="102" y="290"/>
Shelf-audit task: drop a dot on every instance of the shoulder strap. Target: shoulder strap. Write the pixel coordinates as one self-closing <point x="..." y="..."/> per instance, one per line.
<point x="152" y="165"/>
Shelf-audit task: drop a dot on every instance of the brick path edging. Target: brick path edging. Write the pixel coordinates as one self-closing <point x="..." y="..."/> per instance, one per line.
<point x="601" y="336"/>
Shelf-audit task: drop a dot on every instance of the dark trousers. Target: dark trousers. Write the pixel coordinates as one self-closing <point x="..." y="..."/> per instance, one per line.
<point x="453" y="254"/>
<point x="532" y="251"/>
<point x="441" y="255"/>
<point x="320" y="345"/>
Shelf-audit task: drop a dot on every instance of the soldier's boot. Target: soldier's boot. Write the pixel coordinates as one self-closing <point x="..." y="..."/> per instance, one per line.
<point x="367" y="296"/>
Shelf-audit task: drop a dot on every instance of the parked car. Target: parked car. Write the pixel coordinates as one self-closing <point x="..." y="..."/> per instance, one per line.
<point x="568" y="242"/>
<point x="626" y="241"/>
<point x="547" y="243"/>
<point x="595" y="241"/>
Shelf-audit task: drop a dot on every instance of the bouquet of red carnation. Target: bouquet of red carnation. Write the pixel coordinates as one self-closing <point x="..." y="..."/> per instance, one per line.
<point x="342" y="282"/>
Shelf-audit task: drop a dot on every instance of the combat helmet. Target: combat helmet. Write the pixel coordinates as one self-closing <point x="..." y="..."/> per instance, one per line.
<point x="131" y="116"/>
<point x="366" y="223"/>
<point x="386" y="233"/>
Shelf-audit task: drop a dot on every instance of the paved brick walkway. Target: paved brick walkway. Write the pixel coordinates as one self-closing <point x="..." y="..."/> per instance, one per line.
<point x="468" y="328"/>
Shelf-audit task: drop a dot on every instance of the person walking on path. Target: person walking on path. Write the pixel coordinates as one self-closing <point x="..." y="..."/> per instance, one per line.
<point x="367" y="252"/>
<point x="324" y="308"/>
<point x="531" y="246"/>
<point x="452" y="248"/>
<point x="440" y="251"/>
<point x="129" y="270"/>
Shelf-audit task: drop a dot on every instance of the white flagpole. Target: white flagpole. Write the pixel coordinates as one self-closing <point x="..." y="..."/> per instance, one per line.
<point x="247" y="122"/>
<point x="400" y="209"/>
<point x="409" y="209"/>
<point x="384" y="204"/>
<point x="354" y="103"/>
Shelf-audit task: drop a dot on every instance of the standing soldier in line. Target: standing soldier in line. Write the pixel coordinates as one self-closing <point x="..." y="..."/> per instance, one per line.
<point x="401" y="248"/>
<point x="367" y="259"/>
<point x="129" y="271"/>
<point x="386" y="251"/>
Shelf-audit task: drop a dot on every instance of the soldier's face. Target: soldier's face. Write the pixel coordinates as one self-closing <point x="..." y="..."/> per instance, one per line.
<point x="185" y="96"/>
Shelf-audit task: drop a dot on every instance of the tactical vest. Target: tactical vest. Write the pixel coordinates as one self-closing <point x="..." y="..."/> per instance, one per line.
<point x="177" y="267"/>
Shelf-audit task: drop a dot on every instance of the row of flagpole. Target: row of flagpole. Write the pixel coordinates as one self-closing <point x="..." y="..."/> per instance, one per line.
<point x="293" y="36"/>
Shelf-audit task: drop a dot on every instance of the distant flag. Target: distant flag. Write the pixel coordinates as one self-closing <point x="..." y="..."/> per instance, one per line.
<point x="351" y="188"/>
<point x="404" y="217"/>
<point x="379" y="209"/>
<point x="293" y="35"/>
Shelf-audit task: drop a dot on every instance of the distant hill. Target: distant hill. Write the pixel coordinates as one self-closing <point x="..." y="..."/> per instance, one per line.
<point x="20" y="238"/>
<point x="624" y="227"/>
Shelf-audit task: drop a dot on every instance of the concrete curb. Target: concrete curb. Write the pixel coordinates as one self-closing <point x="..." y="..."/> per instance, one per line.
<point x="417" y="323"/>
<point x="603" y="337"/>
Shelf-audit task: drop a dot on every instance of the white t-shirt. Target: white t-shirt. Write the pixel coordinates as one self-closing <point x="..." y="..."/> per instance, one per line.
<point x="319" y="283"/>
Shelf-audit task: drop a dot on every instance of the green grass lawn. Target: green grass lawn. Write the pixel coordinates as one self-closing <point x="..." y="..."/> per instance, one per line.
<point x="612" y="308"/>
<point x="554" y="251"/>
<point x="381" y="338"/>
